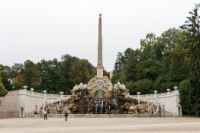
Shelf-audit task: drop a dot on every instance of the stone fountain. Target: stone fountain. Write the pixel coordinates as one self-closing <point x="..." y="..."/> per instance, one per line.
<point x="99" y="96"/>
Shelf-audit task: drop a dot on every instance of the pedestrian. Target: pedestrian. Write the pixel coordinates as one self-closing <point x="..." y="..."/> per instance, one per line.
<point x="40" y="113"/>
<point x="45" y="114"/>
<point x="66" y="115"/>
<point x="36" y="114"/>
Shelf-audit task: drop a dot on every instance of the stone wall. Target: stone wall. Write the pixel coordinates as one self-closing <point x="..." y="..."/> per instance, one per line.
<point x="22" y="103"/>
<point x="169" y="101"/>
<point x="8" y="105"/>
<point x="31" y="101"/>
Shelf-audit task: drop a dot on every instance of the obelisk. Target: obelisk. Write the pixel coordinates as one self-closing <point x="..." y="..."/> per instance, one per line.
<point x="100" y="58"/>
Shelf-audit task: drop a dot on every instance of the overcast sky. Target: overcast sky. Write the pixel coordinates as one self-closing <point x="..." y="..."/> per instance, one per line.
<point x="47" y="29"/>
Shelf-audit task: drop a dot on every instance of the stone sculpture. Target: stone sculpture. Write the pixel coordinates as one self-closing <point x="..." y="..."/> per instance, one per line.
<point x="99" y="96"/>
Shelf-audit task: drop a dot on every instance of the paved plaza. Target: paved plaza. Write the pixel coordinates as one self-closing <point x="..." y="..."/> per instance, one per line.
<point x="100" y="125"/>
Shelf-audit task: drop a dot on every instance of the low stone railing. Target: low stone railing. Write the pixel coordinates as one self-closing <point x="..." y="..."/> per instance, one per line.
<point x="159" y="95"/>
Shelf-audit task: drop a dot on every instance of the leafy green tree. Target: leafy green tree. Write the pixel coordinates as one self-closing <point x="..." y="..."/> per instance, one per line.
<point x="149" y="69"/>
<point x="6" y="78"/>
<point x="170" y="38"/>
<point x="17" y="76"/>
<point x="186" y="97"/>
<point x="192" y="27"/>
<point x="85" y="71"/>
<point x="3" y="91"/>
<point x="179" y="64"/>
<point x="147" y="46"/>
<point x="144" y="86"/>
<point x="161" y="60"/>
<point x="133" y="58"/>
<point x="132" y="87"/>
<point x="51" y="75"/>
<point x="118" y="67"/>
<point x="31" y="74"/>
<point x="120" y="76"/>
<point x="162" y="83"/>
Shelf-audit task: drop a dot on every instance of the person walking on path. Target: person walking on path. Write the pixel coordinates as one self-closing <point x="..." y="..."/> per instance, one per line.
<point x="36" y="114"/>
<point x="66" y="115"/>
<point x="45" y="114"/>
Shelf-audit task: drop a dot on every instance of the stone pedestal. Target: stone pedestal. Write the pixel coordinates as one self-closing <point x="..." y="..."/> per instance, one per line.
<point x="100" y="72"/>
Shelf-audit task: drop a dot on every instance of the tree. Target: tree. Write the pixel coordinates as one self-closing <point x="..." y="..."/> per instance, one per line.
<point x="144" y="86"/>
<point x="17" y="76"/>
<point x="149" y="69"/>
<point x="186" y="97"/>
<point x="118" y="77"/>
<point x="85" y="71"/>
<point x="162" y="83"/>
<point x="51" y="75"/>
<point x="6" y="78"/>
<point x="162" y="60"/>
<point x="147" y="46"/>
<point x="192" y="27"/>
<point x="178" y="64"/>
<point x="3" y="91"/>
<point x="31" y="74"/>
<point x="170" y="38"/>
<point x="131" y="69"/>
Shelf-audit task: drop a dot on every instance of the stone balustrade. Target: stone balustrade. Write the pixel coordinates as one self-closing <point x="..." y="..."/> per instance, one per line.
<point x="169" y="101"/>
<point x="159" y="95"/>
<point x="26" y="102"/>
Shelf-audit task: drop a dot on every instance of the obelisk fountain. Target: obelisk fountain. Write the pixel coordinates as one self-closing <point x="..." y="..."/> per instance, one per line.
<point x="99" y="96"/>
<point x="100" y="57"/>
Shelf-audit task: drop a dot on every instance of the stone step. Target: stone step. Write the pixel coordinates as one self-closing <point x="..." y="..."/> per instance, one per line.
<point x="97" y="115"/>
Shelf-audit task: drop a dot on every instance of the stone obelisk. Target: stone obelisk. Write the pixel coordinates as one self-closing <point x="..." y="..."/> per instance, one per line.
<point x="100" y="48"/>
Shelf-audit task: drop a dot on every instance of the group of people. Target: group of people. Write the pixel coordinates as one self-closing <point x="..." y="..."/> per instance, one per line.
<point x="45" y="114"/>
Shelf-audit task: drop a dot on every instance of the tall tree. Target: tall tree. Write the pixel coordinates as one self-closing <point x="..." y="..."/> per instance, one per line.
<point x="192" y="26"/>
<point x="3" y="91"/>
<point x="17" y="75"/>
<point x="178" y="64"/>
<point x="31" y="74"/>
<point x="6" y="77"/>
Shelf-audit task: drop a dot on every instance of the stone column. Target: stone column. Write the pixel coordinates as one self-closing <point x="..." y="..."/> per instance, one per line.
<point x="32" y="90"/>
<point x="138" y="97"/>
<point x="156" y="97"/>
<point x="61" y="97"/>
<point x="100" y="49"/>
<point x="168" y="90"/>
<point x="45" y="97"/>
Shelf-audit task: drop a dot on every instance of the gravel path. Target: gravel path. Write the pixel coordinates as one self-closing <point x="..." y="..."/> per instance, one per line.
<point x="101" y="125"/>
